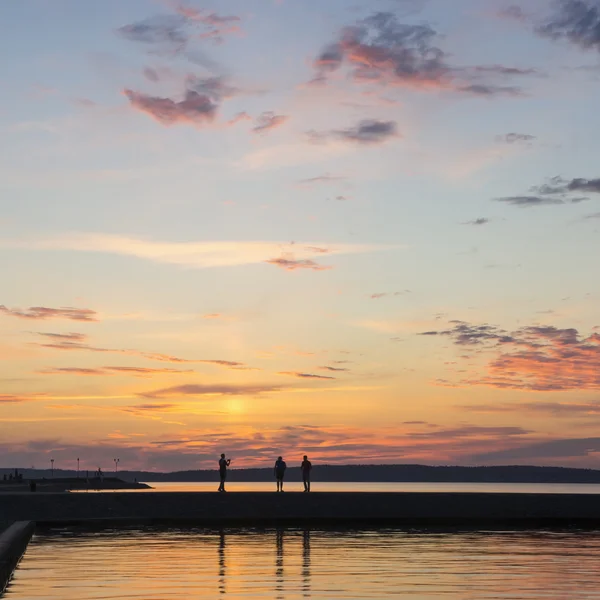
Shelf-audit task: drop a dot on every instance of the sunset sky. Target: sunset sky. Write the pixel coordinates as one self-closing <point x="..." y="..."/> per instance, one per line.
<point x="364" y="231"/>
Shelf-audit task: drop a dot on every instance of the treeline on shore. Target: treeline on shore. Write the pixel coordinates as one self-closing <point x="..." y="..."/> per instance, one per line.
<point x="354" y="473"/>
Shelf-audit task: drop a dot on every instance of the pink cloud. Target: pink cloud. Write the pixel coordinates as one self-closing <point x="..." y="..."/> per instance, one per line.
<point x="267" y="121"/>
<point x="195" y="109"/>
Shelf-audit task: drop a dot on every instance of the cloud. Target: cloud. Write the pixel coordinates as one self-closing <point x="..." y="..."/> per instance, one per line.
<point x="172" y="33"/>
<point x="325" y="178"/>
<point x="166" y="30"/>
<point x="73" y="371"/>
<point x="513" y="138"/>
<point x="526" y="201"/>
<point x="267" y="121"/>
<point x="536" y="357"/>
<point x="513" y="12"/>
<point x="576" y="21"/>
<point x="216" y="389"/>
<point x="555" y="191"/>
<point x="593" y="216"/>
<point x="108" y="371"/>
<point x="504" y="70"/>
<point x="69" y="337"/>
<point x="565" y="448"/>
<point x="18" y="398"/>
<point x="43" y="313"/>
<point x="189" y="254"/>
<point x="380" y="295"/>
<point x="291" y="264"/>
<point x="380" y="49"/>
<point x="479" y="221"/>
<point x="480" y="89"/>
<point x="370" y="131"/>
<point x="304" y="375"/>
<point x="147" y="371"/>
<point x="195" y="109"/>
<point x="333" y="369"/>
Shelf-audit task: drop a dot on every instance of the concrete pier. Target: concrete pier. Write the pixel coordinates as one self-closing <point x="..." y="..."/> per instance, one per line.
<point x="13" y="542"/>
<point x="318" y="509"/>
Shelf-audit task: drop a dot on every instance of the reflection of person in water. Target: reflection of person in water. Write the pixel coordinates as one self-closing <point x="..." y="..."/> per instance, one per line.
<point x="279" y="579"/>
<point x="306" y="563"/>
<point x="223" y="464"/>
<point x="222" y="562"/>
<point x="306" y="467"/>
<point x="279" y="471"/>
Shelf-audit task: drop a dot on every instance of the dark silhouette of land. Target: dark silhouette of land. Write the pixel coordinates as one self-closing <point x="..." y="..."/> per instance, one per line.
<point x="356" y="473"/>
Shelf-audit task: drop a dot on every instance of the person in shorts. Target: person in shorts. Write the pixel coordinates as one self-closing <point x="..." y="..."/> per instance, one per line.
<point x="279" y="471"/>
<point x="306" y="467"/>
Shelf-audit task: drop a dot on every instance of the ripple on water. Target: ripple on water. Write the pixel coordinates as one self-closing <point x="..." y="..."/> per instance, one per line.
<point x="290" y="564"/>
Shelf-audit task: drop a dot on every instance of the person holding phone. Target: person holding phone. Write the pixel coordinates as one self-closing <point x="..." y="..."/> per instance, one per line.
<point x="223" y="464"/>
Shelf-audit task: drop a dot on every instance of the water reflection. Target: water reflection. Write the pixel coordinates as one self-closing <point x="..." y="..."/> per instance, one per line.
<point x="279" y="587"/>
<point x="292" y="564"/>
<point x="222" y="589"/>
<point x="306" y="563"/>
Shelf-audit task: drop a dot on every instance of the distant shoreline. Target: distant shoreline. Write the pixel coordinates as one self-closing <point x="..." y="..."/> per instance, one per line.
<point x="352" y="473"/>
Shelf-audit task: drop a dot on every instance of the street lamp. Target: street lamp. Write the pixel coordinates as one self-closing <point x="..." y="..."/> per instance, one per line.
<point x="52" y="466"/>
<point x="77" y="468"/>
<point x="116" y="465"/>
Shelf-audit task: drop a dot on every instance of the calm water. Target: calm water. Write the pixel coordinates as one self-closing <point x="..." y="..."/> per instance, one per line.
<point x="310" y="564"/>
<point x="296" y="486"/>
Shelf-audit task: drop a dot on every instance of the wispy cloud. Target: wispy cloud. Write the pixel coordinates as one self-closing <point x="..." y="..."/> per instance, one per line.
<point x="479" y="221"/>
<point x="514" y="138"/>
<point x="216" y="389"/>
<point x="289" y="263"/>
<point x="269" y="120"/>
<point x="325" y="178"/>
<point x="118" y="370"/>
<point x="43" y="313"/>
<point x="301" y="375"/>
<point x="189" y="254"/>
<point x="366" y="132"/>
<point x="555" y="191"/>
<point x="174" y="33"/>
<point x="18" y="398"/>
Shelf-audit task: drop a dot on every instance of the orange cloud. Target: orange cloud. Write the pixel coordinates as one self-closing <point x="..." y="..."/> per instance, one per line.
<point x="539" y="358"/>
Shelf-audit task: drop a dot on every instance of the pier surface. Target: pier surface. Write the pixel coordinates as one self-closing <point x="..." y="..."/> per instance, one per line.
<point x="316" y="509"/>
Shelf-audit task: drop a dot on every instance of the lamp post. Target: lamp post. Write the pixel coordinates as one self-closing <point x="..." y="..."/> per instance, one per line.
<point x="116" y="465"/>
<point x="77" y="468"/>
<point x="52" y="466"/>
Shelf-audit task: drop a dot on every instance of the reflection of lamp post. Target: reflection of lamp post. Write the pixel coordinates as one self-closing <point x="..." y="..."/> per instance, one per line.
<point x="116" y="465"/>
<point x="52" y="466"/>
<point x="77" y="468"/>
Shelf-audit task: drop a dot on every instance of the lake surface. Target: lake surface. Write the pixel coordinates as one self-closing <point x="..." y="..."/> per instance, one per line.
<point x="295" y="564"/>
<point x="296" y="486"/>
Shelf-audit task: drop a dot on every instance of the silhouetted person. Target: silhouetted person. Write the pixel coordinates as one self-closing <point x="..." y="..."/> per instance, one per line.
<point x="306" y="467"/>
<point x="279" y="471"/>
<point x="223" y="464"/>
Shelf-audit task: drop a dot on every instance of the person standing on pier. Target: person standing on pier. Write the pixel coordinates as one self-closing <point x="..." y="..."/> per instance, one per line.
<point x="279" y="471"/>
<point x="306" y="467"/>
<point x="223" y="464"/>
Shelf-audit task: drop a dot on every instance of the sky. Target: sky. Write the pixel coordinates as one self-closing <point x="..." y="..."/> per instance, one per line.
<point x="363" y="231"/>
